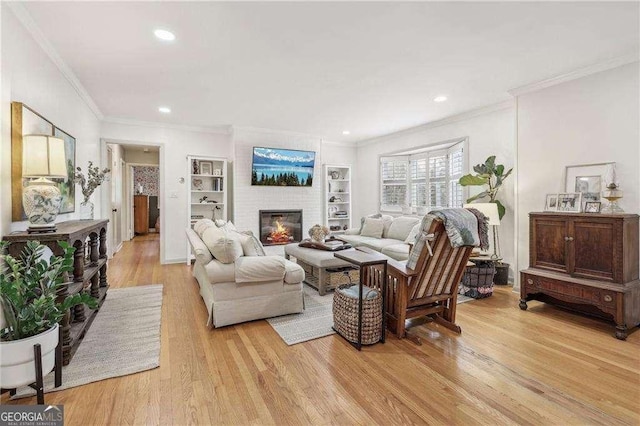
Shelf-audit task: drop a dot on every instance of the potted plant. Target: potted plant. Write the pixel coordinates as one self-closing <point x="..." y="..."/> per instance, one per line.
<point x="28" y="293"/>
<point x="491" y="176"/>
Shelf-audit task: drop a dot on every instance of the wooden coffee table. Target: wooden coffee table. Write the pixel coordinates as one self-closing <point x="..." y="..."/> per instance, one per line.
<point x="318" y="259"/>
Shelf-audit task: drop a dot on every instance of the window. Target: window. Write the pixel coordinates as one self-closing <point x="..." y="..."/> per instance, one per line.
<point x="427" y="179"/>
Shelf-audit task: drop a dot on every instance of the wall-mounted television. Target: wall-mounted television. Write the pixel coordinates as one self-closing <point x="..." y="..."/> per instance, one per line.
<point x="282" y="167"/>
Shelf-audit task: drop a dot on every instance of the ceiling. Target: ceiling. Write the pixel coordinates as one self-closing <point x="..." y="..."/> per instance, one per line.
<point x="322" y="68"/>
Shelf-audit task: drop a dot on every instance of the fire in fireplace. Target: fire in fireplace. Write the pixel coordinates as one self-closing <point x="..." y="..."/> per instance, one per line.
<point x="280" y="226"/>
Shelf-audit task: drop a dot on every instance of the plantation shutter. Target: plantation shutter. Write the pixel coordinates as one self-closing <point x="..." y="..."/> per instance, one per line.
<point x="394" y="172"/>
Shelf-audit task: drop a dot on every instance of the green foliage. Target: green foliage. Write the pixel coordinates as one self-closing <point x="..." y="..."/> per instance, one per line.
<point x="281" y="179"/>
<point x="28" y="290"/>
<point x="492" y="176"/>
<point x="93" y="180"/>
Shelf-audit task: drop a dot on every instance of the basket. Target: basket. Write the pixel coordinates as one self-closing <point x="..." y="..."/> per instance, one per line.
<point x="477" y="281"/>
<point x="339" y="276"/>
<point x="345" y="314"/>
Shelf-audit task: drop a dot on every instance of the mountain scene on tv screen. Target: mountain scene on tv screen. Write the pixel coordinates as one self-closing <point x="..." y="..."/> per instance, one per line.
<point x="282" y="167"/>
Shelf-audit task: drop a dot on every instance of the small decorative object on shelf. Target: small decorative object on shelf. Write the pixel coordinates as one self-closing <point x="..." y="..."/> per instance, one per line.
<point x="612" y="194"/>
<point x="318" y="232"/>
<point x="89" y="184"/>
<point x="195" y="167"/>
<point x="335" y="174"/>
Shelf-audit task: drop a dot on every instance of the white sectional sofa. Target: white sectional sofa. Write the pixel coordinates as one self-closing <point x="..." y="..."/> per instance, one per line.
<point x="386" y="234"/>
<point x="237" y="281"/>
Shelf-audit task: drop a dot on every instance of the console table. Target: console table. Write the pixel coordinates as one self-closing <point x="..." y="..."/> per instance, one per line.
<point x="89" y="237"/>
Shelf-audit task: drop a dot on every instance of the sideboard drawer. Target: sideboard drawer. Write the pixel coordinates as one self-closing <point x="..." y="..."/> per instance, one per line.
<point x="570" y="292"/>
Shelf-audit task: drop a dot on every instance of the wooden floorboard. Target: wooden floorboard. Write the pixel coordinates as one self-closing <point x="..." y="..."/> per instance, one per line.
<point x="540" y="367"/>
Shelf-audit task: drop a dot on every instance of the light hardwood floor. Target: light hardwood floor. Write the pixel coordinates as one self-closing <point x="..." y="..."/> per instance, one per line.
<point x="542" y="366"/>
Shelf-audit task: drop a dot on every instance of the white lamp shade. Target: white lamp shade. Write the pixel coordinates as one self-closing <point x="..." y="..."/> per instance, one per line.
<point x="488" y="209"/>
<point x="43" y="156"/>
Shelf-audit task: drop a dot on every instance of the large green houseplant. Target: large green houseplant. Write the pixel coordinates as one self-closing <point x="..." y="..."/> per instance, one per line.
<point x="491" y="176"/>
<point x="28" y="291"/>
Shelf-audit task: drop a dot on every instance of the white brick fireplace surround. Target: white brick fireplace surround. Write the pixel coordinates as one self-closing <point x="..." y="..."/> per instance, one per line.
<point x="248" y="200"/>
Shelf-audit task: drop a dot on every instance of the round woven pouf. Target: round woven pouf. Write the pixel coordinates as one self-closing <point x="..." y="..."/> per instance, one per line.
<point x="345" y="313"/>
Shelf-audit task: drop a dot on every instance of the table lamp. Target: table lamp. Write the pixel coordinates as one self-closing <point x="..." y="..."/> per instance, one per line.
<point x="43" y="157"/>
<point x="491" y="211"/>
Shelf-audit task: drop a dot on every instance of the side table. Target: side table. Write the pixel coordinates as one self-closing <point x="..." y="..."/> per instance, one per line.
<point x="366" y="259"/>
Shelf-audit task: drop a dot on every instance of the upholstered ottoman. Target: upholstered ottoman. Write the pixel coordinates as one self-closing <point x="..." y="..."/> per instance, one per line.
<point x="315" y="263"/>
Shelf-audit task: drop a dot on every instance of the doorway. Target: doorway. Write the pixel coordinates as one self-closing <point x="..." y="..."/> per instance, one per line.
<point x="135" y="174"/>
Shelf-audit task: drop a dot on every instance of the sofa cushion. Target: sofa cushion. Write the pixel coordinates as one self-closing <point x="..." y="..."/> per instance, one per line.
<point x="250" y="269"/>
<point x="225" y="246"/>
<point x="200" y="226"/>
<point x="413" y="235"/>
<point x="377" y="243"/>
<point x="250" y="244"/>
<point x="227" y="225"/>
<point x="372" y="227"/>
<point x="252" y="292"/>
<point x="387" y="220"/>
<point x="401" y="227"/>
<point x="218" y="272"/>
<point x="294" y="273"/>
<point x="396" y="251"/>
<point x="200" y="250"/>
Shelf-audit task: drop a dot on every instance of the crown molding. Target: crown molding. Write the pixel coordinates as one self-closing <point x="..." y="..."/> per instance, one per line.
<point x="448" y="120"/>
<point x="218" y="130"/>
<point x="575" y="74"/>
<point x="27" y="21"/>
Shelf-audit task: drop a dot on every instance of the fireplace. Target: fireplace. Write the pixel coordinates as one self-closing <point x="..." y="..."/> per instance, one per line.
<point x="280" y="227"/>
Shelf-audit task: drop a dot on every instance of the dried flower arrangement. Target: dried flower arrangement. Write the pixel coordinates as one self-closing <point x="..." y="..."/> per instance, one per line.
<point x="94" y="179"/>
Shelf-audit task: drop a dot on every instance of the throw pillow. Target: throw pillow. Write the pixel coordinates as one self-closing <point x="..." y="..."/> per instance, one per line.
<point x="223" y="245"/>
<point x="372" y="228"/>
<point x="411" y="238"/>
<point x="401" y="227"/>
<point x="200" y="226"/>
<point x="250" y="244"/>
<point x="387" y="221"/>
<point x="374" y="216"/>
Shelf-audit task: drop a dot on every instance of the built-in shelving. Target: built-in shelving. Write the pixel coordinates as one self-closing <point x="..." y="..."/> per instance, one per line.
<point x="337" y="197"/>
<point x="210" y="187"/>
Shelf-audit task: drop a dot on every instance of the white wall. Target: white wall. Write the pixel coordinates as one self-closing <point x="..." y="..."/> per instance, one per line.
<point x="248" y="200"/>
<point x="490" y="133"/>
<point x="140" y="157"/>
<point x="590" y="120"/>
<point x="29" y="76"/>
<point x="175" y="144"/>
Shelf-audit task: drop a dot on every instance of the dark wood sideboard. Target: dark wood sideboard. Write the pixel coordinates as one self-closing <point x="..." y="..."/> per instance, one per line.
<point x="585" y="262"/>
<point x="89" y="237"/>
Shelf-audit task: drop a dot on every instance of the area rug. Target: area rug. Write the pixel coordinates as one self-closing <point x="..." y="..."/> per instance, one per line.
<point x="123" y="339"/>
<point x="317" y="319"/>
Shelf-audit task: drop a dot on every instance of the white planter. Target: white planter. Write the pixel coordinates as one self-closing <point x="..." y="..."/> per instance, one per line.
<point x="17" y="365"/>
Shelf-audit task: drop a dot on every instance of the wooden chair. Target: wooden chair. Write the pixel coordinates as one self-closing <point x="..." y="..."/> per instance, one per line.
<point x="431" y="289"/>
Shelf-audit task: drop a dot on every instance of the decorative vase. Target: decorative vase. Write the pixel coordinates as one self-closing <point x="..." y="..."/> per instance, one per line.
<point x="318" y="233"/>
<point x="86" y="210"/>
<point x="17" y="367"/>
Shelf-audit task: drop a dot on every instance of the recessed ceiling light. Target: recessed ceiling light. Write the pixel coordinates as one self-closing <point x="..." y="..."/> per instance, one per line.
<point x="164" y="110"/>
<point x="164" y="35"/>
<point x="346" y="132"/>
<point x="440" y="98"/>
